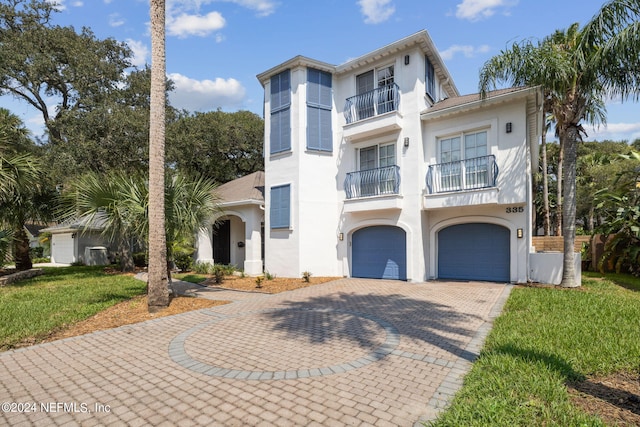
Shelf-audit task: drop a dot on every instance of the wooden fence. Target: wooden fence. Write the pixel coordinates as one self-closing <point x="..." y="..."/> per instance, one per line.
<point x="556" y="243"/>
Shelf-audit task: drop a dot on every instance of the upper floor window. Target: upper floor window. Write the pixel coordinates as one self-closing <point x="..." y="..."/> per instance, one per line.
<point x="375" y="91"/>
<point x="280" y="209"/>
<point x="319" y="101"/>
<point x="464" y="163"/>
<point x="280" y="136"/>
<point x="430" y="79"/>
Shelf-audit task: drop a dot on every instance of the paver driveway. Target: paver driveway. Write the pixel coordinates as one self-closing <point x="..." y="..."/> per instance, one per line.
<point x="349" y="352"/>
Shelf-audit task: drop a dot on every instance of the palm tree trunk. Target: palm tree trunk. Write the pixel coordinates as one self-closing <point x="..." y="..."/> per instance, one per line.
<point x="569" y="140"/>
<point x="560" y="202"/>
<point x="158" y="296"/>
<point x="545" y="188"/>
<point x="21" y="249"/>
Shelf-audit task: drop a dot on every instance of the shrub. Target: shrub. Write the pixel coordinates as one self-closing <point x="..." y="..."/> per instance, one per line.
<point x="306" y="276"/>
<point x="268" y="275"/>
<point x="140" y="259"/>
<point x="259" y="280"/>
<point x="183" y="260"/>
<point x="218" y="274"/>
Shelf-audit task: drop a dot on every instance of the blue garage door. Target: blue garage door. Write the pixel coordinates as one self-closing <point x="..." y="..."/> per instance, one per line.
<point x="474" y="251"/>
<point x="379" y="253"/>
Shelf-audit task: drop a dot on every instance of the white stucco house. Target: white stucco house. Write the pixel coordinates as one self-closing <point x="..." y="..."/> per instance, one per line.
<point x="379" y="168"/>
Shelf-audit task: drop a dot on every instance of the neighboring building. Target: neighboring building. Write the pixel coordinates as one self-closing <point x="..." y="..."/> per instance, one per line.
<point x="75" y="242"/>
<point x="378" y="168"/>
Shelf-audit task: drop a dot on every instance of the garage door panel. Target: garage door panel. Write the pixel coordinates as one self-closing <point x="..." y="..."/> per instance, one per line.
<point x="379" y="253"/>
<point x="474" y="252"/>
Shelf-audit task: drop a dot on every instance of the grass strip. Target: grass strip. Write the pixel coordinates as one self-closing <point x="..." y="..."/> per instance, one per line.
<point x="544" y="338"/>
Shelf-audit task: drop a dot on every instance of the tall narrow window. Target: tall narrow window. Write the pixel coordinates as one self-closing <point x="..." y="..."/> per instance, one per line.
<point x="319" y="100"/>
<point x="386" y="94"/>
<point x="280" y="137"/>
<point x="364" y="90"/>
<point x="280" y="210"/>
<point x="430" y="79"/>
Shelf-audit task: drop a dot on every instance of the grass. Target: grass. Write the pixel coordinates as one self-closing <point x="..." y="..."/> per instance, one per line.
<point x="33" y="308"/>
<point x="190" y="277"/>
<point x="545" y="338"/>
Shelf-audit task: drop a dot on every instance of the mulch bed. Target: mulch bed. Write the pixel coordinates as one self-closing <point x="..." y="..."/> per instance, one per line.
<point x="615" y="398"/>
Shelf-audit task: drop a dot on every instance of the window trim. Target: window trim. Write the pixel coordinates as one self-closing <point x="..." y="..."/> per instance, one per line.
<point x="377" y="149"/>
<point x="461" y="134"/>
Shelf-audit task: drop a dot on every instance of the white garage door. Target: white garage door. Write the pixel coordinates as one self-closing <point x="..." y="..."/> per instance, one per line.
<point x="62" y="246"/>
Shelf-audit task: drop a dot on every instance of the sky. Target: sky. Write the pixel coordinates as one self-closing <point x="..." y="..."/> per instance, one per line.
<point x="215" y="48"/>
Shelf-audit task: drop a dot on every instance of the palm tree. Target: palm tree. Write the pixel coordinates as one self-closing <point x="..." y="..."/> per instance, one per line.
<point x="119" y="202"/>
<point x="23" y="197"/>
<point x="579" y="68"/>
<point x="158" y="297"/>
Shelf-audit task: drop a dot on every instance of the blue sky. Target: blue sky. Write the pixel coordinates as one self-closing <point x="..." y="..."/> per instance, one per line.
<point x="215" y="48"/>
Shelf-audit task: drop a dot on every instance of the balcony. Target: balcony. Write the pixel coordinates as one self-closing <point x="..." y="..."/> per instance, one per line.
<point x="372" y="112"/>
<point x="462" y="183"/>
<point x="373" y="189"/>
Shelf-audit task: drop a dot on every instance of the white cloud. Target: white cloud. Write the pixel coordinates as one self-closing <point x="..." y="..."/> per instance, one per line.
<point x="115" y="20"/>
<point x="140" y="52"/>
<point x="475" y="10"/>
<point x="467" y="50"/>
<point x="77" y="4"/>
<point x="262" y="7"/>
<point x="185" y="25"/>
<point x="205" y="95"/>
<point x="57" y="4"/>
<point x="376" y="11"/>
<point x="614" y="131"/>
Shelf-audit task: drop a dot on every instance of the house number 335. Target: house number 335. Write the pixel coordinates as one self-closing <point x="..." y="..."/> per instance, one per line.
<point x="515" y="209"/>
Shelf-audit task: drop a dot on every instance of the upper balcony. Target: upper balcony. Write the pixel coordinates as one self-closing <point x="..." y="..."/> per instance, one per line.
<point x="462" y="183"/>
<point x="373" y="189"/>
<point x="372" y="112"/>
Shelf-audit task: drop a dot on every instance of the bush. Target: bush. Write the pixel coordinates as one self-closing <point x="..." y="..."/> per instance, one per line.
<point x="140" y="259"/>
<point x="37" y="252"/>
<point x="306" y="276"/>
<point x="183" y="261"/>
<point x="218" y="274"/>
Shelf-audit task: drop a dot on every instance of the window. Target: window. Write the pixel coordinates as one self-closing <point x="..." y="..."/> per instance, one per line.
<point x="430" y="79"/>
<point x="375" y="92"/>
<point x="280" y="210"/>
<point x="377" y="170"/>
<point x="464" y="162"/>
<point x="319" y="101"/>
<point x="280" y="137"/>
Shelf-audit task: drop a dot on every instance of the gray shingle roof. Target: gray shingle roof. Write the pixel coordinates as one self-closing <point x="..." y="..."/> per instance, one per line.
<point x="249" y="187"/>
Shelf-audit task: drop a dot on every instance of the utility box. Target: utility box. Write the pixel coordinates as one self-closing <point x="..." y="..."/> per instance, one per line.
<point x="96" y="255"/>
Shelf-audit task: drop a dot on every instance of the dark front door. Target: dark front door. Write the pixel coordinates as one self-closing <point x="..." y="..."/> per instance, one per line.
<point x="222" y="243"/>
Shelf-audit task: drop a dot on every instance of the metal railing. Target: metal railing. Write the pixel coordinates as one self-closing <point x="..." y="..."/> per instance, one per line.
<point x="372" y="103"/>
<point x="372" y="182"/>
<point x="469" y="174"/>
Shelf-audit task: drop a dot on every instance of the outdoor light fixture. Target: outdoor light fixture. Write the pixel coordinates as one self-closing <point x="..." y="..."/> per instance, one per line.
<point x="509" y="127"/>
<point x="406" y="59"/>
<point x="406" y="141"/>
<point x="520" y="233"/>
<point x="341" y="236"/>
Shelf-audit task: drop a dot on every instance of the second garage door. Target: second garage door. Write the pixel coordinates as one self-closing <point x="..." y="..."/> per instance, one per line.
<point x="379" y="252"/>
<point x="474" y="251"/>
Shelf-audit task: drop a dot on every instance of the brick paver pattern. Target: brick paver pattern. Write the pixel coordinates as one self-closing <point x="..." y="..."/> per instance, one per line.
<point x="348" y="352"/>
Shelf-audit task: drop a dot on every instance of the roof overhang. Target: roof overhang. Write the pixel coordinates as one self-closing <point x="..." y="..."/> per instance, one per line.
<point x="490" y="100"/>
<point x="295" y="62"/>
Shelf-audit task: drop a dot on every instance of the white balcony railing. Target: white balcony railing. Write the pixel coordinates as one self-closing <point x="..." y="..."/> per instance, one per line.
<point x="372" y="103"/>
<point x="469" y="174"/>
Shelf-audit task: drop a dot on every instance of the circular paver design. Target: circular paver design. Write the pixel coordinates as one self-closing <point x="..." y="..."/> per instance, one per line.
<point x="284" y="344"/>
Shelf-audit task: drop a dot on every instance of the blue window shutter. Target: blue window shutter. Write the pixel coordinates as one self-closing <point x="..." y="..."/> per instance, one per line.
<point x="430" y="79"/>
<point x="280" y="209"/>
<point x="280" y="136"/>
<point x="319" y="102"/>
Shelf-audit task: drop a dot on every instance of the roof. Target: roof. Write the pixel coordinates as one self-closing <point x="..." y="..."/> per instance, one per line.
<point x="248" y="189"/>
<point x="421" y="39"/>
<point x="81" y="224"/>
<point x="466" y="102"/>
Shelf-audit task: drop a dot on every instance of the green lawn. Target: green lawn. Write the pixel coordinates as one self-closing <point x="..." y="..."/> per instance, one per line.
<point x="35" y="307"/>
<point x="544" y="338"/>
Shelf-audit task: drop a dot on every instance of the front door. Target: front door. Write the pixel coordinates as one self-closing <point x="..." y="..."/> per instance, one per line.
<point x="222" y="243"/>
